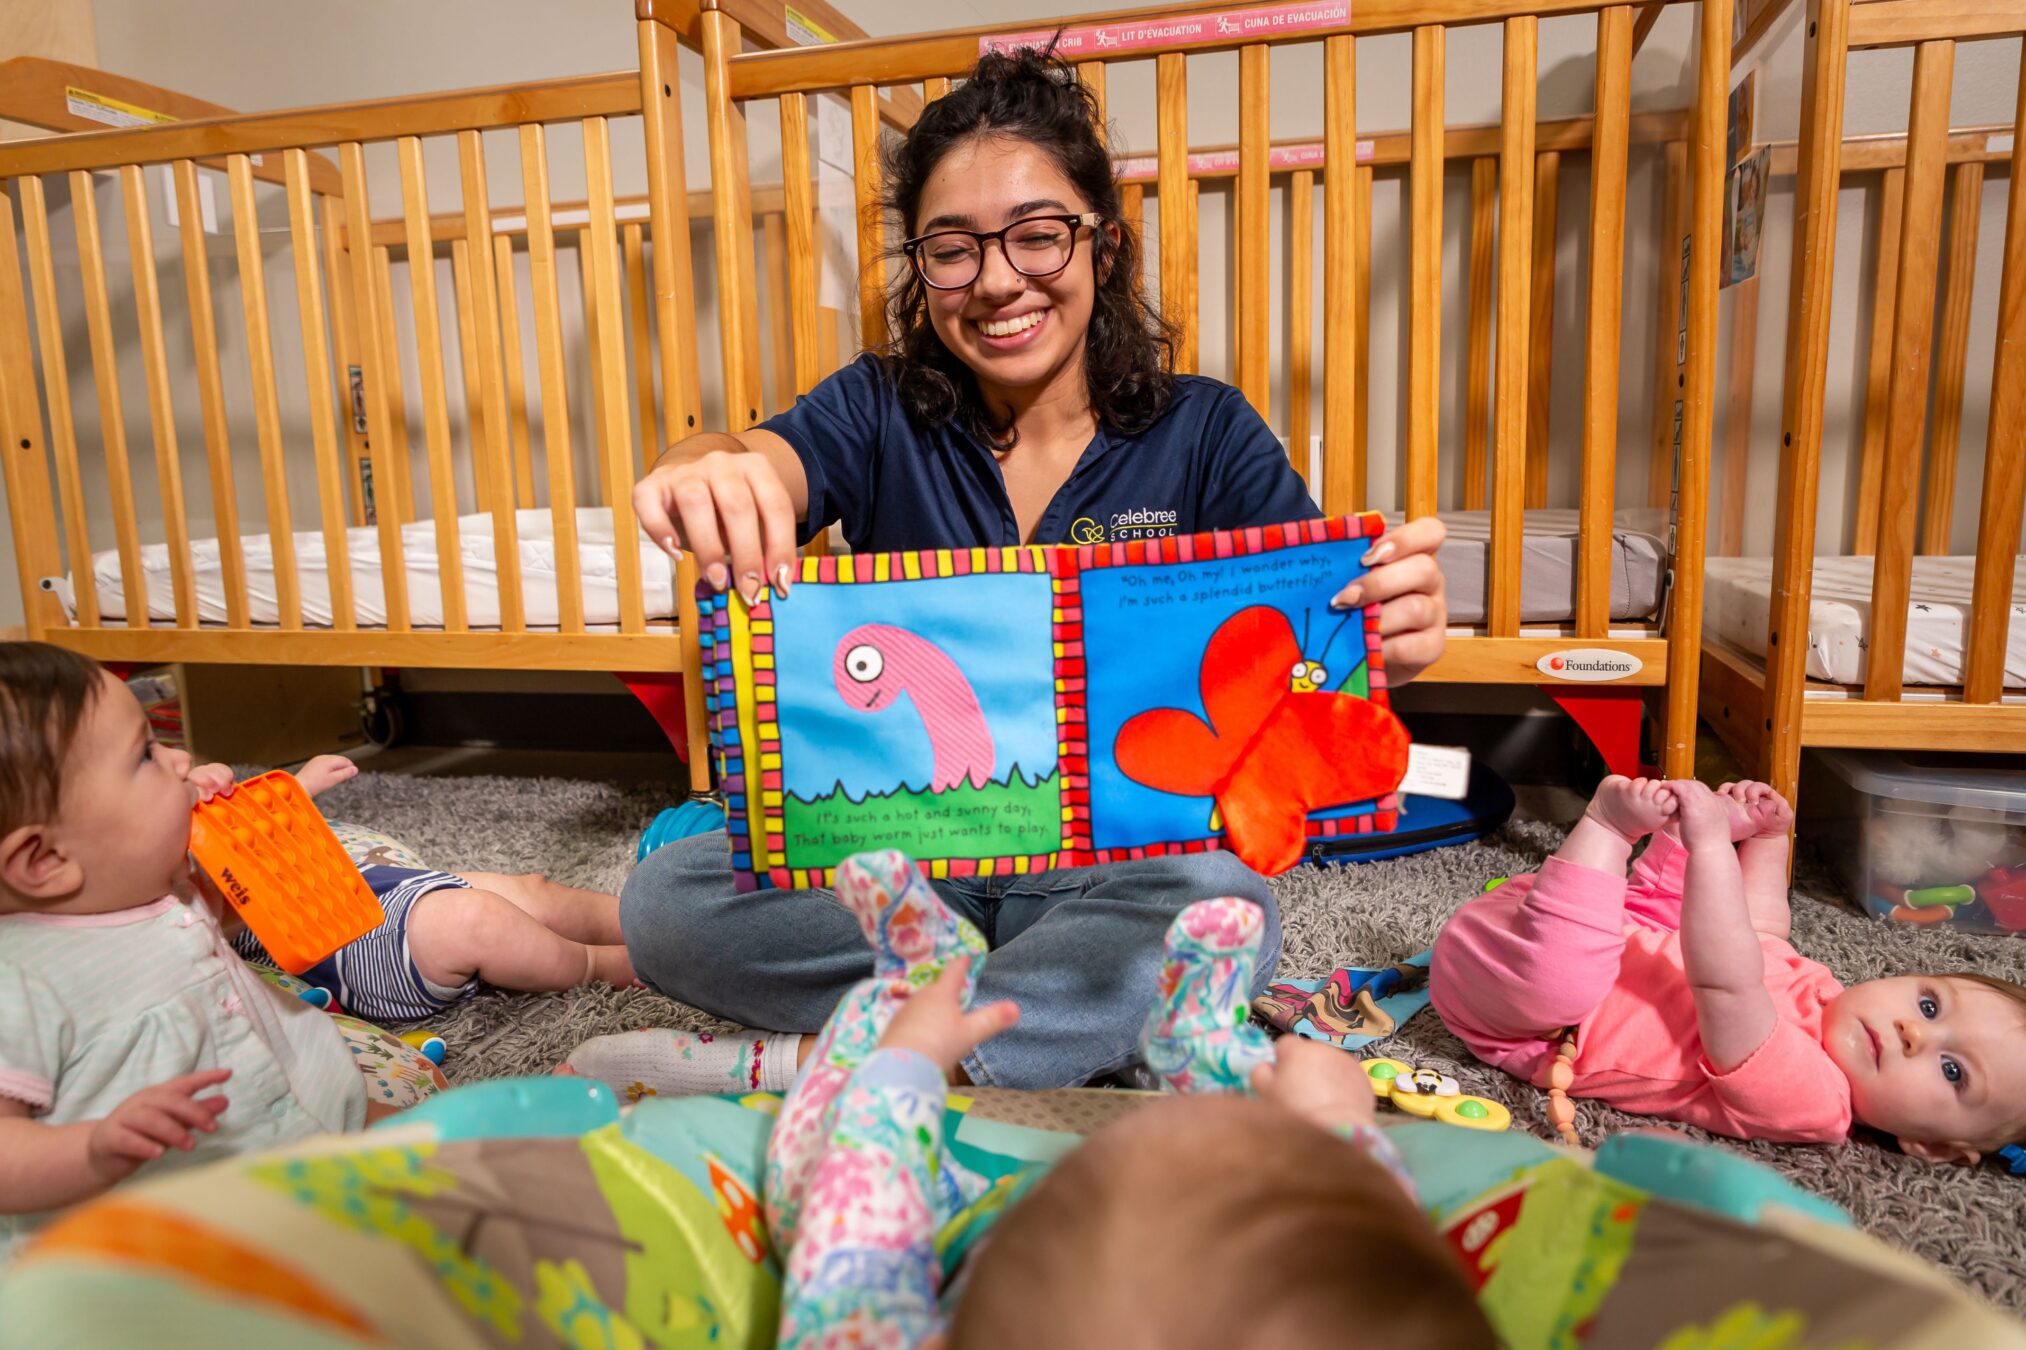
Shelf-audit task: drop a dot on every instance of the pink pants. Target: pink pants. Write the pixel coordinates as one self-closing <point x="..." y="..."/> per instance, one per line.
<point x="1517" y="966"/>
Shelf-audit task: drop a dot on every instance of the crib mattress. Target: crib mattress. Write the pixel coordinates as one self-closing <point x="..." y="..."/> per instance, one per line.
<point x="1738" y="592"/>
<point x="596" y="560"/>
<point x="1548" y="564"/>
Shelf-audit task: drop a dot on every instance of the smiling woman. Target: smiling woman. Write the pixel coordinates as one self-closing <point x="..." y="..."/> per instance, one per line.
<point x="1028" y="396"/>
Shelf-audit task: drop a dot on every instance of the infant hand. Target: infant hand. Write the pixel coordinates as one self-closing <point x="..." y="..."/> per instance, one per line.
<point x="934" y="1025"/>
<point x="1317" y="1082"/>
<point x="211" y="780"/>
<point x="1706" y="818"/>
<point x="154" y="1120"/>
<point x="1767" y="814"/>
<point x="324" y="772"/>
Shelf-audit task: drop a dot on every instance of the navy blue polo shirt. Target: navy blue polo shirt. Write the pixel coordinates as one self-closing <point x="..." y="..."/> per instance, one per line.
<point x="1208" y="463"/>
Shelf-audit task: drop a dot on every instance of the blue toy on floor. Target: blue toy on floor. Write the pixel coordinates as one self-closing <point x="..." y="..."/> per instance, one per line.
<point x="680" y="822"/>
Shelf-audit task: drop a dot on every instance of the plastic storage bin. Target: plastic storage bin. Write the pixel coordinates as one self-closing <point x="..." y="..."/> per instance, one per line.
<point x="1923" y="838"/>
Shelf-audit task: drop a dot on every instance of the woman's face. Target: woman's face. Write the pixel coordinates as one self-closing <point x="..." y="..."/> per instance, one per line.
<point x="1018" y="334"/>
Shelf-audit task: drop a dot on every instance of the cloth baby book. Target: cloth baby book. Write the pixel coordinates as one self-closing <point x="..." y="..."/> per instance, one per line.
<point x="993" y="712"/>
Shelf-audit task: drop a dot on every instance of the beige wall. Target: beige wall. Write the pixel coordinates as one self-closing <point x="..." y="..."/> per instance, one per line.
<point x="254" y="55"/>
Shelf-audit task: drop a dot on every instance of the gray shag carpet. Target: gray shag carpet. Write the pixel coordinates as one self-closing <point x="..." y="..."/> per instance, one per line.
<point x="1968" y="1221"/>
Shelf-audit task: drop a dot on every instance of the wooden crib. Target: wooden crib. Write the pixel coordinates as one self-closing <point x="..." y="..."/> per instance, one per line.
<point x="1766" y="706"/>
<point x="322" y="337"/>
<point x="1504" y="458"/>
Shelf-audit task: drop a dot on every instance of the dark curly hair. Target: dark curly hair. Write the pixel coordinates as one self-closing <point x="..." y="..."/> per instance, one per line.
<point x="1129" y="351"/>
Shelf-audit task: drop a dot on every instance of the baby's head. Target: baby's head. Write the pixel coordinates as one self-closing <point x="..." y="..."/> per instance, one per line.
<point x="94" y="815"/>
<point x="1216" y="1221"/>
<point x="1937" y="1060"/>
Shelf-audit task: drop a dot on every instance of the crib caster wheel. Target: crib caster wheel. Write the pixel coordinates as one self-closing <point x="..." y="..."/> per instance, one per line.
<point x="383" y="716"/>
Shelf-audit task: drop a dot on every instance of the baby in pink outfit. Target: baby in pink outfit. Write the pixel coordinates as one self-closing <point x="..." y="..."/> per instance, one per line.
<point x="1689" y="1003"/>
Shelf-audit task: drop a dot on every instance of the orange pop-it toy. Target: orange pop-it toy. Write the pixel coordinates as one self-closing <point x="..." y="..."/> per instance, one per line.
<point x="282" y="868"/>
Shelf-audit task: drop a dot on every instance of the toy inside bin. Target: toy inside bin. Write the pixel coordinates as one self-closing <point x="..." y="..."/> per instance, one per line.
<point x="1922" y="838"/>
<point x="270" y="852"/>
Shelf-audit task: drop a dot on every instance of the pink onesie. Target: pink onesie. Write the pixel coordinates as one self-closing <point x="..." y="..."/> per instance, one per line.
<point x="1574" y="946"/>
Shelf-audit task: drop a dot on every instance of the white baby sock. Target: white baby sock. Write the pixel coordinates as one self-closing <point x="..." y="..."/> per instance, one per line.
<point x="663" y="1063"/>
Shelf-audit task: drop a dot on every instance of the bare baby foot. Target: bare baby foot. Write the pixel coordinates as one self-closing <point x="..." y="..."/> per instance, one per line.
<point x="1704" y="817"/>
<point x="1632" y="808"/>
<point x="325" y="772"/>
<point x="1767" y="814"/>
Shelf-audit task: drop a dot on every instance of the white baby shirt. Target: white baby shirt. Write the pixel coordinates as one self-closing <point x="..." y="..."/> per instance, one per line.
<point x="93" y="1008"/>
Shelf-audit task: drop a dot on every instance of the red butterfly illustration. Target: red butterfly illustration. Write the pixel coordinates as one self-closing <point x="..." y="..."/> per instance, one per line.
<point x="1269" y="754"/>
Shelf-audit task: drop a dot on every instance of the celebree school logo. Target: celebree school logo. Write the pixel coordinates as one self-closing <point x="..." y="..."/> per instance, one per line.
<point x="1589" y="665"/>
<point x="1141" y="522"/>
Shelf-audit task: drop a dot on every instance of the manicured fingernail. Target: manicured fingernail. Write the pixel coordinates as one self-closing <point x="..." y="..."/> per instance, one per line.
<point x="1379" y="553"/>
<point x="1349" y="599"/>
<point x="750" y="586"/>
<point x="781" y="578"/>
<point x="717" y="576"/>
<point x="668" y="545"/>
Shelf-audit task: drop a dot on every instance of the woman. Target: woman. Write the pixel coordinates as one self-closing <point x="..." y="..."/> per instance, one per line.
<point x="1026" y="397"/>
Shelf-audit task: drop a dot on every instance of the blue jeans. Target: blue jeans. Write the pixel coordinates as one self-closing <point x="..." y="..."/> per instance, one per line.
<point x="1079" y="949"/>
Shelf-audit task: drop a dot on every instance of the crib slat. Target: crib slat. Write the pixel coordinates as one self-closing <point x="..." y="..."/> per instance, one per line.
<point x="640" y="332"/>
<point x="1252" y="245"/>
<point x="398" y="489"/>
<point x="345" y="351"/>
<point x="1906" y="416"/>
<point x="210" y="393"/>
<point x="2005" y="451"/>
<point x="1477" y="320"/>
<point x="780" y="333"/>
<point x="616" y="440"/>
<point x="1515" y="250"/>
<point x="1340" y="333"/>
<point x="1608" y="151"/>
<point x="56" y="381"/>
<point x="1132" y="205"/>
<point x="266" y="401"/>
<point x="1361" y="375"/>
<point x="376" y="357"/>
<point x="112" y="413"/>
<point x="1171" y="145"/>
<point x="1300" y="318"/>
<point x="1540" y="372"/>
<point x="872" y="331"/>
<point x="323" y="412"/>
<point x="1192" y="311"/>
<point x="1744" y="346"/>
<point x="1424" y="318"/>
<point x="732" y="219"/>
<point x="435" y="400"/>
<point x="496" y="495"/>
<point x="1878" y="374"/>
<point x="1667" y="353"/>
<point x="1090" y="73"/>
<point x="935" y="87"/>
<point x="668" y="211"/>
<point x="1952" y="352"/>
<point x="516" y="370"/>
<point x="798" y="212"/>
<point x="596" y="354"/>
<point x="161" y="408"/>
<point x="37" y="551"/>
<point x="477" y="430"/>
<point x="549" y="368"/>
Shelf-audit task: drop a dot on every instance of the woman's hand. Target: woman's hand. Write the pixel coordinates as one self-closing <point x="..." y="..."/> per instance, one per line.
<point x="1407" y="586"/>
<point x="934" y="1025"/>
<point x="728" y="500"/>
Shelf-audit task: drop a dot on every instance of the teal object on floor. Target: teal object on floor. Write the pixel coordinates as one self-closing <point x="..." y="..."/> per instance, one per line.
<point x="1708" y="1178"/>
<point x="680" y="822"/>
<point x="514" y="1108"/>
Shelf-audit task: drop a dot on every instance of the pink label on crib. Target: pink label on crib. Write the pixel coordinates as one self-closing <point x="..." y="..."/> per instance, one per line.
<point x="1257" y="23"/>
<point x="1145" y="168"/>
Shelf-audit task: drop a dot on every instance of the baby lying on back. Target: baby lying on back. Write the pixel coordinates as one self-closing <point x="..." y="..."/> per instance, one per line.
<point x="1685" y="1000"/>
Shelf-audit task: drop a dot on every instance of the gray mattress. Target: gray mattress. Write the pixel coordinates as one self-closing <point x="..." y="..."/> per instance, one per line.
<point x="1548" y="564"/>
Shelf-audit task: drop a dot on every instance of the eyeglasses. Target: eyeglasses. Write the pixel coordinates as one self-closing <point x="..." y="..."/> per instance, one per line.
<point x="1035" y="246"/>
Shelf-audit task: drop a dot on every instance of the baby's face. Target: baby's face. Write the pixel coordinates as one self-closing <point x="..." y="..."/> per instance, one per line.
<point x="1939" y="1062"/>
<point x="125" y="808"/>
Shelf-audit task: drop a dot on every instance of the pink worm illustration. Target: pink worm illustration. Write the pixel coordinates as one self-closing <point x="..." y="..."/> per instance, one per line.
<point x="876" y="663"/>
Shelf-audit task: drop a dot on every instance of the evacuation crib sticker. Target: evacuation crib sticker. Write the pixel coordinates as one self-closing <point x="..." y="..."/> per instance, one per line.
<point x="997" y="712"/>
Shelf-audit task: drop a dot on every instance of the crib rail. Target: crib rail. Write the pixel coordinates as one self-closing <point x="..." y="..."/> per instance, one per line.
<point x="446" y="413"/>
<point x="1514" y="168"/>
